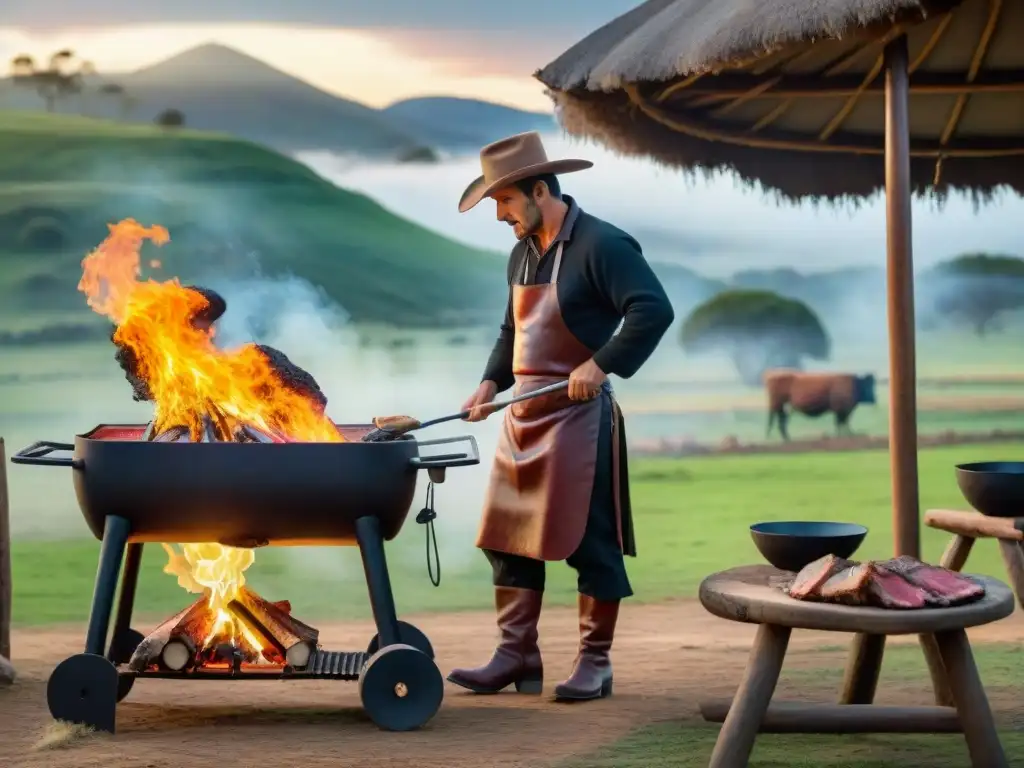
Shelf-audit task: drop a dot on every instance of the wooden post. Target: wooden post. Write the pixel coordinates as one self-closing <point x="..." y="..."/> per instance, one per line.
<point x="6" y="671"/>
<point x="900" y="278"/>
<point x="866" y="655"/>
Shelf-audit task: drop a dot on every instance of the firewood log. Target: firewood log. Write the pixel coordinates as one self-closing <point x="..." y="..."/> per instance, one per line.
<point x="194" y="621"/>
<point x="178" y="653"/>
<point x="293" y="641"/>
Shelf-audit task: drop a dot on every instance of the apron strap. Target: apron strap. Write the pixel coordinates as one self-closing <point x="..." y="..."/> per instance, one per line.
<point x="558" y="262"/>
<point x="554" y="271"/>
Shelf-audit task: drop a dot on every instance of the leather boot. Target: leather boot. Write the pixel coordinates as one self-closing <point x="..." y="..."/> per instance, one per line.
<point x="516" y="661"/>
<point x="591" y="676"/>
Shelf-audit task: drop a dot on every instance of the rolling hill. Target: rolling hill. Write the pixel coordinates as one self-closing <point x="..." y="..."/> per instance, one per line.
<point x="230" y="205"/>
<point x="452" y="123"/>
<point x="221" y="89"/>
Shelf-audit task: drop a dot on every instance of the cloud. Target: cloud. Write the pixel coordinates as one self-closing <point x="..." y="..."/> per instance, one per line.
<point x="526" y="16"/>
<point x="331" y="58"/>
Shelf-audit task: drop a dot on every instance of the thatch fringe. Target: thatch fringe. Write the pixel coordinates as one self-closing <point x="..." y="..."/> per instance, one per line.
<point x="614" y="121"/>
<point x="664" y="39"/>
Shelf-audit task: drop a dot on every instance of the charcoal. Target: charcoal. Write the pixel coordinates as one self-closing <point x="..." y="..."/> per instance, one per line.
<point x="209" y="433"/>
<point x="850" y="586"/>
<point x="890" y="590"/>
<point x="809" y="581"/>
<point x="176" y="434"/>
<point x="215" y="307"/>
<point x="129" y="362"/>
<point x="294" y="377"/>
<point x="250" y="434"/>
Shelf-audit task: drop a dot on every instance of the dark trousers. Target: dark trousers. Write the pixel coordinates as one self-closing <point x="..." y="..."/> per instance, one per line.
<point x="598" y="560"/>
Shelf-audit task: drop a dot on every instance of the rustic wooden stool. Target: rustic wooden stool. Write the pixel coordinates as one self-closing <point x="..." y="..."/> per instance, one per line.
<point x="748" y="594"/>
<point x="966" y="527"/>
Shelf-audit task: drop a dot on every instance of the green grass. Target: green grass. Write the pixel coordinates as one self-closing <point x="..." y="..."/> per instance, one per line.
<point x="691" y="516"/>
<point x="224" y="201"/>
<point x="689" y="743"/>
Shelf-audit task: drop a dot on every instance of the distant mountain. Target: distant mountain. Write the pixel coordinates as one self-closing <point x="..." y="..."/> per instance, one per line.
<point x="445" y="121"/>
<point x="221" y="89"/>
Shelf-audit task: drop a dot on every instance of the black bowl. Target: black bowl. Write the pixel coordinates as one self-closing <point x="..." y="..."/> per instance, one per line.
<point x="791" y="545"/>
<point x="994" y="488"/>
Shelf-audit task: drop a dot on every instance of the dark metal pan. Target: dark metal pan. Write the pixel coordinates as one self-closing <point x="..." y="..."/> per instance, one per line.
<point x="246" y="494"/>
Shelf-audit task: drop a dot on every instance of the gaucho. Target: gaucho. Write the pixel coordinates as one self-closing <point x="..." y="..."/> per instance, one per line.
<point x="559" y="488"/>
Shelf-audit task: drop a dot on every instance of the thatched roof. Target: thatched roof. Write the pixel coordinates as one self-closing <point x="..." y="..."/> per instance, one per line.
<point x="789" y="93"/>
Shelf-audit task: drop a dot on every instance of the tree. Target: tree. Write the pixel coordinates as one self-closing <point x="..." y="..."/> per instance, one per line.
<point x="124" y="99"/>
<point x="973" y="288"/>
<point x="758" y="330"/>
<point x="58" y="81"/>
<point x="170" y="118"/>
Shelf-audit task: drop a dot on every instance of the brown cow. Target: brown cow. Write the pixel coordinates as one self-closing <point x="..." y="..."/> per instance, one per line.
<point x="813" y="394"/>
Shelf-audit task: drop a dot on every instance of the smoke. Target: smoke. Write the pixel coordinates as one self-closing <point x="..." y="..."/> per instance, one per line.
<point x="364" y="375"/>
<point x="716" y="227"/>
<point x="833" y="259"/>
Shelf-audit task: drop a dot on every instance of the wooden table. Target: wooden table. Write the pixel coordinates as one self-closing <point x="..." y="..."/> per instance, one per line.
<point x="967" y="527"/>
<point x="748" y="594"/>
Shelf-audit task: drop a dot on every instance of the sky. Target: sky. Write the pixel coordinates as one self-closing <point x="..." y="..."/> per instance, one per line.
<point x="374" y="51"/>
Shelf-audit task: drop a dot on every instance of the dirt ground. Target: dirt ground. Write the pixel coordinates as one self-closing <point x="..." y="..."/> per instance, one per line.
<point x="666" y="657"/>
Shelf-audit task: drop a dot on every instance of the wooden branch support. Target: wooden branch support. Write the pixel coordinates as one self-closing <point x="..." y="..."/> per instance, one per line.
<point x="736" y="739"/>
<point x="954" y="558"/>
<point x="800" y="717"/>
<point x="974" y="524"/>
<point x="6" y="587"/>
<point x="966" y="528"/>
<point x="863" y="669"/>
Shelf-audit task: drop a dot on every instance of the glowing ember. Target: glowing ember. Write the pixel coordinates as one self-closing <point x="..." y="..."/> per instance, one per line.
<point x="187" y="375"/>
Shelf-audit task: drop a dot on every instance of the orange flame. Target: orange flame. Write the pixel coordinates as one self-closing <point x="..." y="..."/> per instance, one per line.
<point x="186" y="374"/>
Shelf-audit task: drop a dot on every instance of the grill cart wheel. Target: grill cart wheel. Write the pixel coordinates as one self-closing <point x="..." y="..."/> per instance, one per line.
<point x="401" y="688"/>
<point x="407" y="635"/>
<point x="121" y="650"/>
<point x="124" y="645"/>
<point x="83" y="689"/>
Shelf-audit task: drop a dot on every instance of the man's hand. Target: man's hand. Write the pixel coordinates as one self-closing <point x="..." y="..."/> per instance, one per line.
<point x="483" y="395"/>
<point x="585" y="382"/>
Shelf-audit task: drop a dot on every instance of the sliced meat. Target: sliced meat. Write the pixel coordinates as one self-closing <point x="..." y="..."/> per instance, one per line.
<point x="944" y="586"/>
<point x="890" y="590"/>
<point x="850" y="586"/>
<point x="812" y="576"/>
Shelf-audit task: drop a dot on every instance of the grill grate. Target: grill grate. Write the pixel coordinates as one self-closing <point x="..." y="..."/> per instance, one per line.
<point x="335" y="665"/>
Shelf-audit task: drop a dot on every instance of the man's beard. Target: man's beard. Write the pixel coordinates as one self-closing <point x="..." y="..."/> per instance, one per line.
<point x="530" y="225"/>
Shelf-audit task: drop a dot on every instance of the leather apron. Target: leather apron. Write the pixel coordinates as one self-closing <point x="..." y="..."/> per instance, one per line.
<point x="542" y="480"/>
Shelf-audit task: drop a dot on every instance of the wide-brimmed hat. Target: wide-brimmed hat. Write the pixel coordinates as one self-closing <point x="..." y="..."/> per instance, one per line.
<point x="510" y="160"/>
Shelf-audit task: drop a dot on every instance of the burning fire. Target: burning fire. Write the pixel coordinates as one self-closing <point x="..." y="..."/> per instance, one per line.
<point x="189" y="378"/>
<point x="187" y="375"/>
<point x="218" y="571"/>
